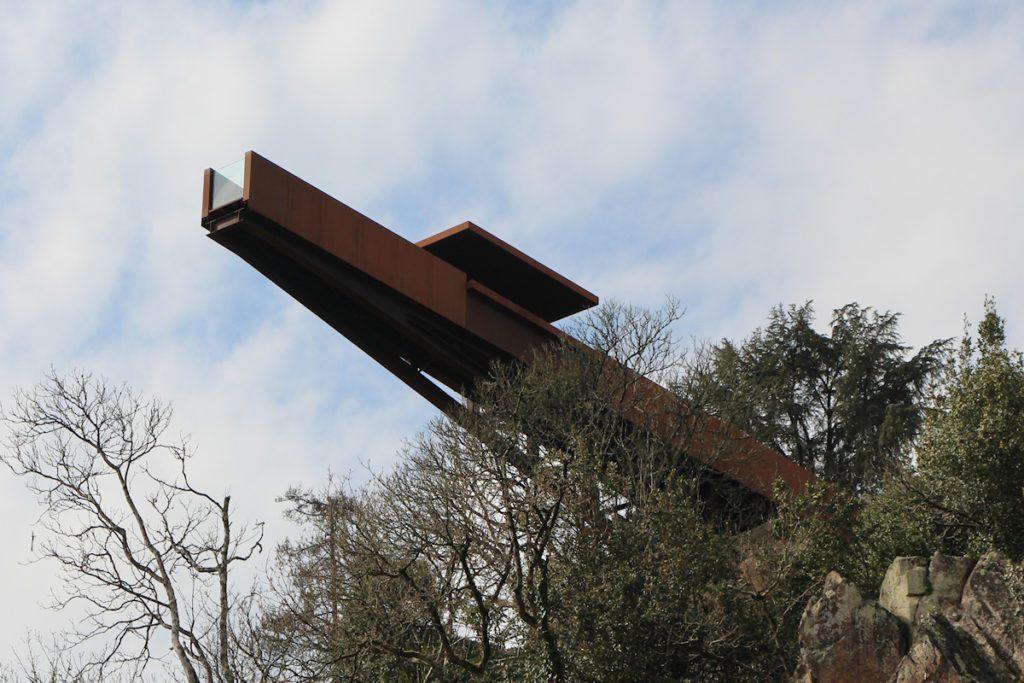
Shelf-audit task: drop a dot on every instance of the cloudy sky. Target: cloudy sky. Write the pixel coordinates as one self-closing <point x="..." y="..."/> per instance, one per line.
<point x="734" y="155"/>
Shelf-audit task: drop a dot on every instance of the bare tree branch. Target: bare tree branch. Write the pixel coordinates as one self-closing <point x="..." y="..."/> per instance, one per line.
<point x="133" y="545"/>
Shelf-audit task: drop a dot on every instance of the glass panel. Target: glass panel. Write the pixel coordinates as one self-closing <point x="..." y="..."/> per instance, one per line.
<point x="227" y="184"/>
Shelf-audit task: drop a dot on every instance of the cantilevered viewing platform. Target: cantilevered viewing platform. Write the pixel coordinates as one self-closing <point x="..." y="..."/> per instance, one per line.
<point x="435" y="313"/>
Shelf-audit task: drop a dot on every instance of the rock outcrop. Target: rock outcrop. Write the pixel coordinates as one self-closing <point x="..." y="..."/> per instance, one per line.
<point x="942" y="619"/>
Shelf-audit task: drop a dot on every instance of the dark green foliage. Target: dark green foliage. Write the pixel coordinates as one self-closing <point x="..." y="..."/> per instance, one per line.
<point x="888" y="526"/>
<point x="536" y="538"/>
<point x="970" y="480"/>
<point x="965" y="493"/>
<point x="963" y="496"/>
<point x="845" y="405"/>
<point x="657" y="592"/>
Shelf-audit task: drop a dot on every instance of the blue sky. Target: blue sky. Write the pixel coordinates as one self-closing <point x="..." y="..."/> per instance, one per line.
<point x="734" y="155"/>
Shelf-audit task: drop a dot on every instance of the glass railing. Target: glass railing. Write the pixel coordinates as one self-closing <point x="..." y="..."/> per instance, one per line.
<point x="227" y="184"/>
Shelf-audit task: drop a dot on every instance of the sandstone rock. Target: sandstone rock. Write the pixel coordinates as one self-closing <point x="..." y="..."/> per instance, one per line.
<point x="941" y="652"/>
<point x="953" y="620"/>
<point x="846" y="639"/>
<point x="925" y="662"/>
<point x="830" y="617"/>
<point x="903" y="586"/>
<point x="993" y="609"/>
<point x="947" y="576"/>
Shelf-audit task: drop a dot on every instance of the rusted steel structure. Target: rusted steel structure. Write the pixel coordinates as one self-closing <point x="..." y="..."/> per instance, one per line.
<point x="435" y="313"/>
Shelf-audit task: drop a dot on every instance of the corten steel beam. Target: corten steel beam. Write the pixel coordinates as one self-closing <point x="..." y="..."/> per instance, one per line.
<point x="444" y="308"/>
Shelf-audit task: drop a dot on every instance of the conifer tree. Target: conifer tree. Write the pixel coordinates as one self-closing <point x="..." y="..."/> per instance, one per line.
<point x="845" y="405"/>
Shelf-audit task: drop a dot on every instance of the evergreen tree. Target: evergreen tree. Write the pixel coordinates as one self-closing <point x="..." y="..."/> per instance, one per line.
<point x="845" y="406"/>
<point x="971" y="452"/>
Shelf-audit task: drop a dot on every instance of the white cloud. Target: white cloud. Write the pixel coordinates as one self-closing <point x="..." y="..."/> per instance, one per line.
<point x="881" y="170"/>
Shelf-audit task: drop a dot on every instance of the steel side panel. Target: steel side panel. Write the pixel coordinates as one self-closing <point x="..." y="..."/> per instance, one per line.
<point x="342" y="231"/>
<point x="724" y="448"/>
<point x="489" y="320"/>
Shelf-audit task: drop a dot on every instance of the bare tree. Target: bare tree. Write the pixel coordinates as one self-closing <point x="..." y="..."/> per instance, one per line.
<point x="47" y="659"/>
<point x="518" y="534"/>
<point x="139" y="546"/>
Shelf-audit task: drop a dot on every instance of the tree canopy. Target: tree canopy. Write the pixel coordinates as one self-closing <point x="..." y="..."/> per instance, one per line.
<point x="845" y="405"/>
<point x="537" y="536"/>
<point x="532" y="537"/>
<point x="969" y="484"/>
<point x="144" y="551"/>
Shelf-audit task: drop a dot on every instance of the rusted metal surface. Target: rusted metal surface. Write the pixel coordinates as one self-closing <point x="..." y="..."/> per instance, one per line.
<point x="318" y="218"/>
<point x="207" y="190"/>
<point x="508" y="272"/>
<point x="438" y="313"/>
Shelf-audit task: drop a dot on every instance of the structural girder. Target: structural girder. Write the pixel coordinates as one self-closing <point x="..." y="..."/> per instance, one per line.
<point x="436" y="313"/>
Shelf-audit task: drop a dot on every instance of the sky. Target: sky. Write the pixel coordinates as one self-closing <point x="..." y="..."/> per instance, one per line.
<point x="732" y="155"/>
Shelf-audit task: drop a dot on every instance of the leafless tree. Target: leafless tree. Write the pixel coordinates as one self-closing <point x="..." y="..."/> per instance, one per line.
<point x="513" y="532"/>
<point x="139" y="546"/>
